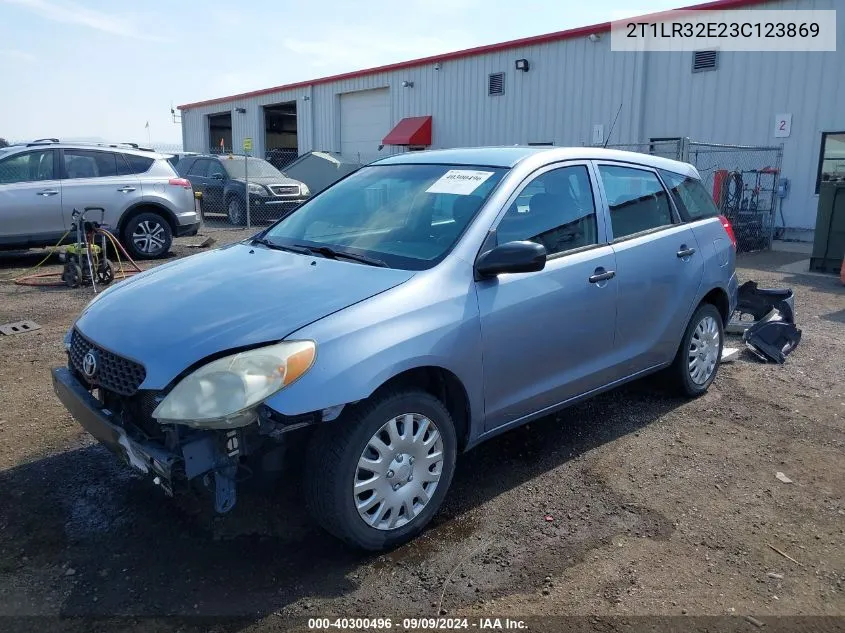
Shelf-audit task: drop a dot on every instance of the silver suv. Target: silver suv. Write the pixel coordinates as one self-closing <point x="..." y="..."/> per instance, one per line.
<point x="146" y="203"/>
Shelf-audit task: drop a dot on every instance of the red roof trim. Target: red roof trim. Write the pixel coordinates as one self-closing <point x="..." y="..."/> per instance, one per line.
<point x="470" y="52"/>
<point x="414" y="130"/>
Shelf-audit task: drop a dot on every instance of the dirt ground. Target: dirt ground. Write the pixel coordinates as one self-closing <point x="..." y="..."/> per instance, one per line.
<point x="635" y="503"/>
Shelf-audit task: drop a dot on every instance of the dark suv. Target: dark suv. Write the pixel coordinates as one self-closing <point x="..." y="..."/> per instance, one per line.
<point x="222" y="180"/>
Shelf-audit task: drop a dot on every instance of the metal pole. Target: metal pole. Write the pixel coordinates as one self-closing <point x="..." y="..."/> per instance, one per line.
<point x="246" y="179"/>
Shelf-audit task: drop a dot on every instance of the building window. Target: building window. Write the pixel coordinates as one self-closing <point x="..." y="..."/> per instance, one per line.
<point x="831" y="158"/>
<point x="704" y="60"/>
<point x="496" y="84"/>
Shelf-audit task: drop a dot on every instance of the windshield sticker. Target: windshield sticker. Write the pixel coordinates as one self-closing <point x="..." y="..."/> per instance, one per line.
<point x="461" y="182"/>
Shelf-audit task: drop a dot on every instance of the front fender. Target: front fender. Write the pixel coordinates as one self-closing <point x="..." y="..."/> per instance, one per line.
<point x="430" y="321"/>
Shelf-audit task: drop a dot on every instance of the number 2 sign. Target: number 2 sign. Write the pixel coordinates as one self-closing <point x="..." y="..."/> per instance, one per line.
<point x="783" y="125"/>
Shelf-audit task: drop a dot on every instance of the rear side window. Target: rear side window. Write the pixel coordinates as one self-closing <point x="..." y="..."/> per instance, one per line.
<point x="85" y="163"/>
<point x="637" y="200"/>
<point x="199" y="168"/>
<point x="133" y="164"/>
<point x="690" y="196"/>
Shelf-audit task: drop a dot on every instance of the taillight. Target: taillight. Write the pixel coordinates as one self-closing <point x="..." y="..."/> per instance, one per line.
<point x="180" y="182"/>
<point x="728" y="229"/>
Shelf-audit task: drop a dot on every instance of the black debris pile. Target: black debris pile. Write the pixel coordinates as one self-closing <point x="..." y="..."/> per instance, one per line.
<point x="772" y="335"/>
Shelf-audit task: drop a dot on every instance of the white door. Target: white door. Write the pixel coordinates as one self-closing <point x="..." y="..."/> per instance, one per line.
<point x="364" y="122"/>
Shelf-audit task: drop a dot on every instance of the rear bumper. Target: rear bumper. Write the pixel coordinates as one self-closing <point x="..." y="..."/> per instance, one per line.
<point x="146" y="458"/>
<point x="187" y="230"/>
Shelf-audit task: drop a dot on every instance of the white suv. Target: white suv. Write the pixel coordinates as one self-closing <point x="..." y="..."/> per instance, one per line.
<point x="146" y="203"/>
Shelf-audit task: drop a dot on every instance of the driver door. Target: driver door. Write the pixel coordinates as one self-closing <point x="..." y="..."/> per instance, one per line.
<point x="548" y="335"/>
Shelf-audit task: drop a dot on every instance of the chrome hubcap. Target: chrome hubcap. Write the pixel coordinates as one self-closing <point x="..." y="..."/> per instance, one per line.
<point x="398" y="471"/>
<point x="704" y="350"/>
<point x="149" y="237"/>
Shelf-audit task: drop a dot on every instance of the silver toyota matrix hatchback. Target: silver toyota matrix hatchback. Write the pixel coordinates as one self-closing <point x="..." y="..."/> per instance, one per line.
<point x="416" y="308"/>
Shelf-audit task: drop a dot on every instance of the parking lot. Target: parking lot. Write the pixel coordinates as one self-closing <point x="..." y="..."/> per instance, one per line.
<point x="635" y="503"/>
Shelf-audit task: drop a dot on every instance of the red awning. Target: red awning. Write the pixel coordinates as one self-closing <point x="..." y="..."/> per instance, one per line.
<point x="414" y="130"/>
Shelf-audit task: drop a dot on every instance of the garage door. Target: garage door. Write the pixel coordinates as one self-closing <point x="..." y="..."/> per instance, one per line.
<point x="364" y="122"/>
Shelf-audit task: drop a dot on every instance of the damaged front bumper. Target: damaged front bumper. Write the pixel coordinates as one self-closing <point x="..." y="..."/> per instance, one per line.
<point x="215" y="456"/>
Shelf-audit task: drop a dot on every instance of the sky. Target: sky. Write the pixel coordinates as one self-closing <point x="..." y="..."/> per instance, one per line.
<point x="99" y="69"/>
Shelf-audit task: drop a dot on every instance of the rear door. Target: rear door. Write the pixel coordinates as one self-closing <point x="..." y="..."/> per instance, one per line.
<point x="30" y="197"/>
<point x="91" y="179"/>
<point x="659" y="265"/>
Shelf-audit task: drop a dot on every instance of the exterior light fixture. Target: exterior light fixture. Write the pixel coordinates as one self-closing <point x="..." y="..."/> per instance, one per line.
<point x="407" y="84"/>
<point x="240" y="110"/>
<point x="523" y="65"/>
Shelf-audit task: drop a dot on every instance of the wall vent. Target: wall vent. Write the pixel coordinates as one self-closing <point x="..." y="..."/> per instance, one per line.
<point x="496" y="84"/>
<point x="705" y="60"/>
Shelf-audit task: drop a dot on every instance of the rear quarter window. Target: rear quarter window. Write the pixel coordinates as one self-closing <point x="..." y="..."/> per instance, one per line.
<point x="133" y="164"/>
<point x="690" y="196"/>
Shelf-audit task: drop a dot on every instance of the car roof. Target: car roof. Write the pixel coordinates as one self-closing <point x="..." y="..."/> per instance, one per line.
<point x="513" y="155"/>
<point x="105" y="147"/>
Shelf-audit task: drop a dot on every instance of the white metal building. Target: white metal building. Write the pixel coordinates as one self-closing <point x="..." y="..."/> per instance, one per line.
<point x="573" y="84"/>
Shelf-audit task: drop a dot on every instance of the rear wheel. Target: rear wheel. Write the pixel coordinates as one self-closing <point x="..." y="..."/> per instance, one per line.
<point x="147" y="236"/>
<point x="697" y="361"/>
<point x="376" y="477"/>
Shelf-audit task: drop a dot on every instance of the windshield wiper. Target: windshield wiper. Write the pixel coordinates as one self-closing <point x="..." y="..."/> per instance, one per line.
<point x="281" y="247"/>
<point x="328" y="251"/>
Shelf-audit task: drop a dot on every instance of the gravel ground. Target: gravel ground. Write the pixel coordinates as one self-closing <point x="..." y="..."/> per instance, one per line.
<point x="635" y="503"/>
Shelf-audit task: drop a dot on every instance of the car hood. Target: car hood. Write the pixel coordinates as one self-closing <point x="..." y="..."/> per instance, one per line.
<point x="175" y="315"/>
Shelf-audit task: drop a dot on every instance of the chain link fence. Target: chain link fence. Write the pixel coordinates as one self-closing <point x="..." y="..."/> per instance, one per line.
<point x="243" y="190"/>
<point x="742" y="179"/>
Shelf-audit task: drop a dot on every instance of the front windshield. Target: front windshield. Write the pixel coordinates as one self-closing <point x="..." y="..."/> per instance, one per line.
<point x="236" y="167"/>
<point x="408" y="216"/>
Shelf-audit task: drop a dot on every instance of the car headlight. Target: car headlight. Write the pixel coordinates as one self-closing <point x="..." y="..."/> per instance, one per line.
<point x="254" y="188"/>
<point x="304" y="190"/>
<point x="225" y="393"/>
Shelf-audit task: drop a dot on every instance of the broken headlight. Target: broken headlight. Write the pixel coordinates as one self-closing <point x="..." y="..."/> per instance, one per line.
<point x="225" y="392"/>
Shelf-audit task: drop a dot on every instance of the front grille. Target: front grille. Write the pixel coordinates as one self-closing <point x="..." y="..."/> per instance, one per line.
<point x="285" y="190"/>
<point x="135" y="413"/>
<point x="113" y="372"/>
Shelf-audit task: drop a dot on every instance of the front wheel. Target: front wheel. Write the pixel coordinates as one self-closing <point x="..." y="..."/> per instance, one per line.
<point x="697" y="360"/>
<point x="236" y="212"/>
<point x="375" y="477"/>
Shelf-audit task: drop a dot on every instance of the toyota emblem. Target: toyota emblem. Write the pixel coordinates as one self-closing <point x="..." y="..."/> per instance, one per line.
<point x="89" y="363"/>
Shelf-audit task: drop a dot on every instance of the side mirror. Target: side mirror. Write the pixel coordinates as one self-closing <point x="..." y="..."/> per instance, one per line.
<point x="217" y="176"/>
<point x="513" y="257"/>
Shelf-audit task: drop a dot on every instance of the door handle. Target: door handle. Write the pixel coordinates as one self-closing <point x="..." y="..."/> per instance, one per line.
<point x="48" y="192"/>
<point x="685" y="252"/>
<point x="601" y="275"/>
<point x="126" y="189"/>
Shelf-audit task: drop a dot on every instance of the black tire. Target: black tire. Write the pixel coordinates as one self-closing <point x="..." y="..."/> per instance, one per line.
<point x="680" y="369"/>
<point x="72" y="275"/>
<point x="147" y="236"/>
<point x="105" y="273"/>
<point x="331" y="464"/>
<point x="236" y="211"/>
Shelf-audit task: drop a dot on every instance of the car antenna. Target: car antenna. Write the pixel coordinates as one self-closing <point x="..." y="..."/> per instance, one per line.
<point x="612" y="125"/>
